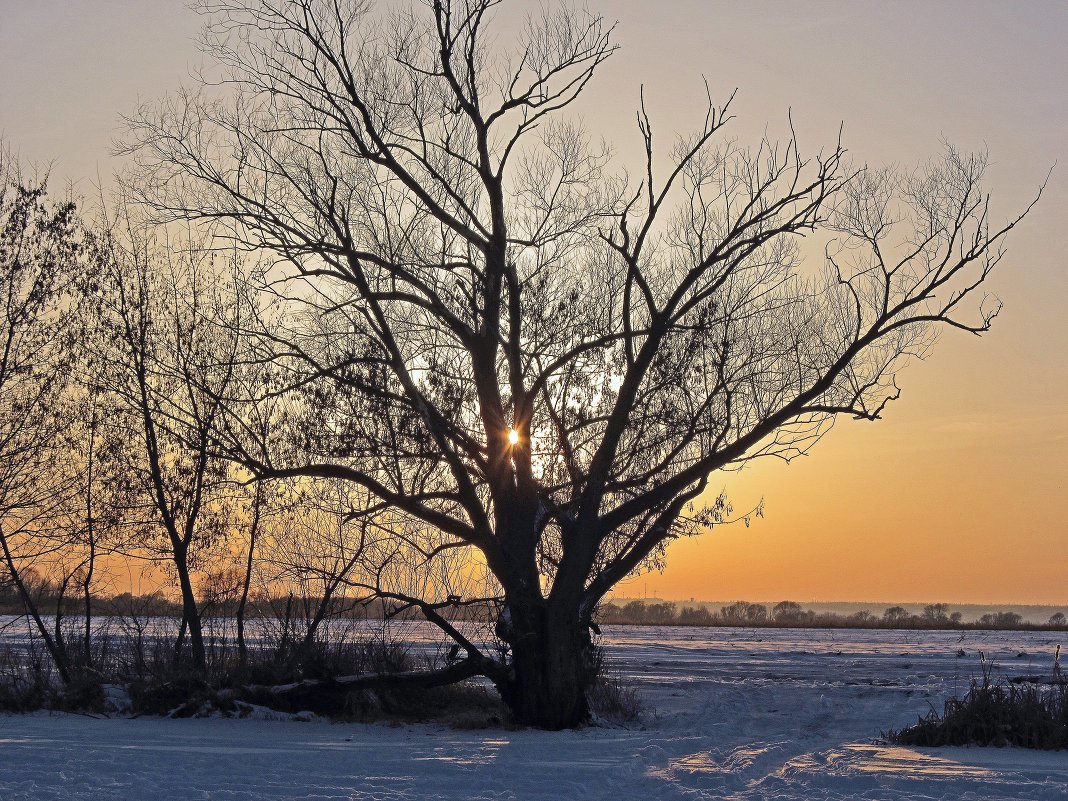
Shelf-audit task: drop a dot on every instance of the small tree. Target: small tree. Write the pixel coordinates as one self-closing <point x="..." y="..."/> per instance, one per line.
<point x="787" y="612"/>
<point x="895" y="614"/>
<point x="745" y="612"/>
<point x="41" y="249"/>
<point x="1001" y="620"/>
<point x="164" y="362"/>
<point x="317" y="553"/>
<point x="936" y="613"/>
<point x="534" y="361"/>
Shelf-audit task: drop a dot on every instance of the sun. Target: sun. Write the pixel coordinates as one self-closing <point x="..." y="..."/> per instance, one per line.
<point x="513" y="436"/>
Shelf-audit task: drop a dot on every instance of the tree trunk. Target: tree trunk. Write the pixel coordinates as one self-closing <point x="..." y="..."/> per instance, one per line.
<point x="552" y="667"/>
<point x="55" y="650"/>
<point x="257" y="508"/>
<point x="87" y="598"/>
<point x="190" y="613"/>
<point x="90" y="533"/>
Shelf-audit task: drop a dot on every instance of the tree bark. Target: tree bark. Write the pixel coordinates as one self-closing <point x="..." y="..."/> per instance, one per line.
<point x="552" y="666"/>
<point x="257" y="508"/>
<point x="190" y="612"/>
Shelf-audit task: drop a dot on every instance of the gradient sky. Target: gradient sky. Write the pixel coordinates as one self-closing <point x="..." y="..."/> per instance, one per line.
<point x="960" y="493"/>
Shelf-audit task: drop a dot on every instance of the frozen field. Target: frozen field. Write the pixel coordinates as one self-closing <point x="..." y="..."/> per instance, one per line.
<point x="734" y="714"/>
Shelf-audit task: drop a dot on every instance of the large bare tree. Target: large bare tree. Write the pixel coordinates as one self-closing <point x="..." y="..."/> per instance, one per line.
<point x="522" y="356"/>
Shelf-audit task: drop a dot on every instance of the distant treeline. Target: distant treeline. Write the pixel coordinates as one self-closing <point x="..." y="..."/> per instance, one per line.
<point x="48" y="595"/>
<point x="785" y="614"/>
<point x="789" y="614"/>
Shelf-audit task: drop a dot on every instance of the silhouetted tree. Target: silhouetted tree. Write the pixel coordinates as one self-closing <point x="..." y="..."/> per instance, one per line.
<point x="695" y="616"/>
<point x="787" y="612"/>
<point x="895" y="614"/>
<point x="164" y="361"/>
<point x="41" y="245"/>
<point x="1001" y="620"/>
<point x="936" y="613"/>
<point x="319" y="551"/>
<point x="531" y="360"/>
<point x="745" y="612"/>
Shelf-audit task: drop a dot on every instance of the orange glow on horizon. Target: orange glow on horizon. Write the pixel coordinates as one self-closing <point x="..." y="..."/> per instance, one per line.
<point x="960" y="494"/>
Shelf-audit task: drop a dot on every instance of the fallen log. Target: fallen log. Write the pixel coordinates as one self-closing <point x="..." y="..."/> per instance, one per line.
<point x="335" y="694"/>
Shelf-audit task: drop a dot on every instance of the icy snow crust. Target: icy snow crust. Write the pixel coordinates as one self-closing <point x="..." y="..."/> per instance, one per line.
<point x="735" y="714"/>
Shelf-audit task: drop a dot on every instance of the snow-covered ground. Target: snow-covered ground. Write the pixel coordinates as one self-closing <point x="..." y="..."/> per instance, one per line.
<point x="734" y="714"/>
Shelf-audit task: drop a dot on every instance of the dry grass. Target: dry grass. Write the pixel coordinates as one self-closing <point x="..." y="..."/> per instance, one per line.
<point x="998" y="712"/>
<point x="612" y="699"/>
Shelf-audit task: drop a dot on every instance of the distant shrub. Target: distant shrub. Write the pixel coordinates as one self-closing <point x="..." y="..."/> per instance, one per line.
<point x="895" y="614"/>
<point x="999" y="713"/>
<point x="787" y="612"/>
<point x="936" y="613"/>
<point x="756" y="613"/>
<point x="1001" y="620"/>
<point x="660" y="613"/>
<point x="696" y="616"/>
<point x="745" y="613"/>
<point x="792" y="614"/>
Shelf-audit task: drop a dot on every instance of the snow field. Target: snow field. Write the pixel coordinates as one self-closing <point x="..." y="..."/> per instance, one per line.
<point x="770" y="714"/>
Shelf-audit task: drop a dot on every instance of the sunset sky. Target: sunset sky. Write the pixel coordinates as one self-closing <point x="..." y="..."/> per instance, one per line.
<point x="960" y="494"/>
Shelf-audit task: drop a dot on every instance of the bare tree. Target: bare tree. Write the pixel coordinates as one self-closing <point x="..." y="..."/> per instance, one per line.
<point x="255" y="524"/>
<point x="534" y="362"/>
<point x="41" y="243"/>
<point x="313" y="548"/>
<point x="165" y="362"/>
<point x="89" y="523"/>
